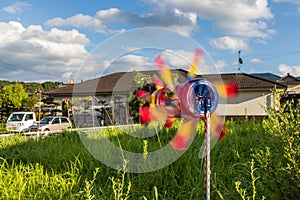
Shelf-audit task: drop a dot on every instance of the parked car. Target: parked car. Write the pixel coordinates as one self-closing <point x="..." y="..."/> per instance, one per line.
<point x="51" y="124"/>
<point x="20" y="121"/>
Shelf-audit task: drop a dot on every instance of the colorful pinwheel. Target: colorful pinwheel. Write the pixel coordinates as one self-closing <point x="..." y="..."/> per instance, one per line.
<point x="189" y="101"/>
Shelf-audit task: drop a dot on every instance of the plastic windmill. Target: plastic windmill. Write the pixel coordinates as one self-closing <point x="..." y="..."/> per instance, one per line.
<point x="193" y="100"/>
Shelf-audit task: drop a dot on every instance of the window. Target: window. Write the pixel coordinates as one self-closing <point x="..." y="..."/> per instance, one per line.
<point x="16" y="117"/>
<point x="55" y="121"/>
<point x="46" y="120"/>
<point x="29" y="117"/>
<point x="64" y="120"/>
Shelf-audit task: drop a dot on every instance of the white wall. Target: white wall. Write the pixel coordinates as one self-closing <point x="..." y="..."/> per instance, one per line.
<point x="248" y="103"/>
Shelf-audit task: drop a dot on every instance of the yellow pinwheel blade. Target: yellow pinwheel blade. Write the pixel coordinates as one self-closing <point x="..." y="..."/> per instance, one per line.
<point x="164" y="72"/>
<point x="184" y="135"/>
<point x="194" y="65"/>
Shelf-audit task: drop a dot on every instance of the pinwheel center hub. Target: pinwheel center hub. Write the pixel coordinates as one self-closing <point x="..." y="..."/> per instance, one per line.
<point x="196" y="97"/>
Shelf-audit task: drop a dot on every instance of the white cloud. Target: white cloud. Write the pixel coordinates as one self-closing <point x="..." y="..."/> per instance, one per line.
<point x="81" y="21"/>
<point x="239" y="19"/>
<point x="16" y="7"/>
<point x="127" y="63"/>
<point x="231" y="15"/>
<point x="103" y="20"/>
<point x="256" y="61"/>
<point x="33" y="53"/>
<point x="235" y="18"/>
<point x="183" y="59"/>
<point x="228" y="42"/>
<point x="108" y="15"/>
<point x="178" y="59"/>
<point x="174" y="59"/>
<point x="131" y="48"/>
<point x="283" y="69"/>
<point x="132" y="60"/>
<point x="220" y="65"/>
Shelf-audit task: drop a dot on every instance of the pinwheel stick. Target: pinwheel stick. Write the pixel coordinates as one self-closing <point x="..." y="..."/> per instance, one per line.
<point x="207" y="151"/>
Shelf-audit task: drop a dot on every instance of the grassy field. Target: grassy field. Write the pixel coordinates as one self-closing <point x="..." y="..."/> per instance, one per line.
<point x="256" y="160"/>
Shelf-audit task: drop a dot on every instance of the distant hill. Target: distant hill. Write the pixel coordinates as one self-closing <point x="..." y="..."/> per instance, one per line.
<point x="268" y="76"/>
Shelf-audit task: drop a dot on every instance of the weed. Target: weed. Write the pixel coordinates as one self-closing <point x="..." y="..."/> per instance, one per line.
<point x="243" y="191"/>
<point x="119" y="184"/>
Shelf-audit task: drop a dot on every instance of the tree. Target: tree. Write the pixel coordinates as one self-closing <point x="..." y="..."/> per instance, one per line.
<point x="31" y="101"/>
<point x="13" y="96"/>
<point x="48" y="85"/>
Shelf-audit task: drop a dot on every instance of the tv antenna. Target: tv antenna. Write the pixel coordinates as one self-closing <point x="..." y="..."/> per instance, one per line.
<point x="240" y="61"/>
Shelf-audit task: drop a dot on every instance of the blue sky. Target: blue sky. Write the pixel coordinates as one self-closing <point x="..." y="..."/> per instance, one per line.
<point x="65" y="39"/>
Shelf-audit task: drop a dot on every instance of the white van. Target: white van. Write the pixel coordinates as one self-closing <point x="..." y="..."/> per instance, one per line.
<point x="20" y="121"/>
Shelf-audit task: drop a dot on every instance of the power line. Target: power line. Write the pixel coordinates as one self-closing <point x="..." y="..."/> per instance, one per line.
<point x="277" y="55"/>
<point x="21" y="67"/>
<point x="269" y="56"/>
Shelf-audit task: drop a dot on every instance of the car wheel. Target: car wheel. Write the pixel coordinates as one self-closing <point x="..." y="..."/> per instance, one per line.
<point x="46" y="132"/>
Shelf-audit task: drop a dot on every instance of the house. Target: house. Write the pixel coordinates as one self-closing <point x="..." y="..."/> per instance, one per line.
<point x="292" y="93"/>
<point x="292" y="83"/>
<point x="289" y="80"/>
<point x="112" y="92"/>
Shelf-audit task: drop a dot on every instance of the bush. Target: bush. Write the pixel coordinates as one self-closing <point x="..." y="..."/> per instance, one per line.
<point x="283" y="123"/>
<point x="280" y="161"/>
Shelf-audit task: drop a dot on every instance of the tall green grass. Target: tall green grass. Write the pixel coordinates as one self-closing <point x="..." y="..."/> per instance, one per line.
<point x="251" y="162"/>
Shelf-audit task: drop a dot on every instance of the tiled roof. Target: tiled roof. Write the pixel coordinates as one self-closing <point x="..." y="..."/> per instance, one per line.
<point x="289" y="80"/>
<point x="246" y="81"/>
<point x="116" y="82"/>
<point x="123" y="82"/>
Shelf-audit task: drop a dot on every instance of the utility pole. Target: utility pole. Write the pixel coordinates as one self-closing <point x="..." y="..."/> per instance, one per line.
<point x="39" y="93"/>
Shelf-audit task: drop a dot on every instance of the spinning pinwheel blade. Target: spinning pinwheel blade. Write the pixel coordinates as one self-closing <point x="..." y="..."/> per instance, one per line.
<point x="193" y="100"/>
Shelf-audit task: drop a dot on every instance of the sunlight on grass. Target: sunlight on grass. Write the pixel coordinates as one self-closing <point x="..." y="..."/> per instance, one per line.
<point x="60" y="167"/>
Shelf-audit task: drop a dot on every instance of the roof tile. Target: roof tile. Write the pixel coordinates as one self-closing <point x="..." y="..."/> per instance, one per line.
<point x="123" y="82"/>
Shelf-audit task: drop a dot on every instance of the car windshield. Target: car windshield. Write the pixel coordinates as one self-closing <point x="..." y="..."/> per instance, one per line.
<point x="16" y="117"/>
<point x="46" y="120"/>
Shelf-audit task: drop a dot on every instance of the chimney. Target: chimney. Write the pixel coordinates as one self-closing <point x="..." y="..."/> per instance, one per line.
<point x="70" y="82"/>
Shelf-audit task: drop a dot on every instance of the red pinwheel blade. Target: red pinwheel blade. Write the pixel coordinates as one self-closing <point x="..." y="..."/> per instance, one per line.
<point x="169" y="122"/>
<point x="227" y="89"/>
<point x="152" y="113"/>
<point x="158" y="83"/>
<point x="184" y="135"/>
<point x="144" y="115"/>
<point x="164" y="72"/>
<point x="142" y="94"/>
<point x="194" y="65"/>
